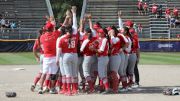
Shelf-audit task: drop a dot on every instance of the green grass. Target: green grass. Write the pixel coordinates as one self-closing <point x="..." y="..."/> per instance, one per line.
<point x="151" y="58"/>
<point x="160" y="58"/>
<point x="22" y="58"/>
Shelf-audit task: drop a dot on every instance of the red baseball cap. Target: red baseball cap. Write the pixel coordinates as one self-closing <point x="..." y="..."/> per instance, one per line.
<point x="96" y="26"/>
<point x="129" y="23"/>
<point x="132" y="31"/>
<point x="49" y="26"/>
<point x="101" y="31"/>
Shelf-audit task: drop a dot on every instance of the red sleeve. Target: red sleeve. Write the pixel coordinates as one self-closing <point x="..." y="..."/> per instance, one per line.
<point x="60" y="44"/>
<point x="36" y="45"/>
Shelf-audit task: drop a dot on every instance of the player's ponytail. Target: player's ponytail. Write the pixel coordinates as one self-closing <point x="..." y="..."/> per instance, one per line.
<point x="115" y="30"/>
<point x="89" y="31"/>
<point x="69" y="31"/>
<point x="39" y="36"/>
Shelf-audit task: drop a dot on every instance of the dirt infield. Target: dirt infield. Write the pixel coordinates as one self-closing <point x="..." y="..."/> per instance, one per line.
<point x="154" y="78"/>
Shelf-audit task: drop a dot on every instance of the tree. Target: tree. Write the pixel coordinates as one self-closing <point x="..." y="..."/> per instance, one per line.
<point x="60" y="6"/>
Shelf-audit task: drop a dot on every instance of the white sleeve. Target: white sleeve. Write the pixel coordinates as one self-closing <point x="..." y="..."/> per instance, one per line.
<point x="57" y="49"/>
<point x="125" y="39"/>
<point x="128" y="49"/>
<point x="114" y="39"/>
<point x="84" y="45"/>
<point x="57" y="42"/>
<point x="120" y="23"/>
<point x="58" y="53"/>
<point x="74" y="27"/>
<point x="93" y="32"/>
<point x="103" y="45"/>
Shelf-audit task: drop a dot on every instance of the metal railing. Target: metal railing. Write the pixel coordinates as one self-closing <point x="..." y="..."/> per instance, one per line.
<point x="18" y="33"/>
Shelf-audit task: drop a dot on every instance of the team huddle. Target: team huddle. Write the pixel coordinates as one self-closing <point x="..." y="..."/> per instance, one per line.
<point x="105" y="54"/>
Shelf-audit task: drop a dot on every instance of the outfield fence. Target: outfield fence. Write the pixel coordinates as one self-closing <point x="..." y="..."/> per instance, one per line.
<point x="18" y="33"/>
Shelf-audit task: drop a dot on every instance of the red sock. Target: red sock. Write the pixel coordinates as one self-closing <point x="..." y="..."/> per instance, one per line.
<point x="36" y="80"/>
<point x="47" y="82"/>
<point x="91" y="86"/>
<point x="68" y="89"/>
<point x="74" y="88"/>
<point x="101" y="85"/>
<point x="106" y="85"/>
<point x="64" y="88"/>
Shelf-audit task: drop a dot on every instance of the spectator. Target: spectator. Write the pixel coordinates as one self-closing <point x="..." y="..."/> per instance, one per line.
<point x="175" y="12"/>
<point x="140" y="7"/>
<point x="3" y="24"/>
<point x="135" y="27"/>
<point x="160" y="11"/>
<point x="168" y="13"/>
<point x="13" y="25"/>
<point x="145" y="7"/>
<point x="177" y="23"/>
<point x="154" y="10"/>
<point x="140" y="28"/>
<point x="173" y="22"/>
<point x="7" y="24"/>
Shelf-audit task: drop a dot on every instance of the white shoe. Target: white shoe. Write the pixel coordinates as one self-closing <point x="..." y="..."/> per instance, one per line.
<point x="46" y="90"/>
<point x="123" y="90"/>
<point x="53" y="91"/>
<point x="135" y="85"/>
<point x="129" y="88"/>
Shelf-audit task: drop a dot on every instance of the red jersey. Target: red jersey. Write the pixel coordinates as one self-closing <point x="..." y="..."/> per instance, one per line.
<point x="154" y="9"/>
<point x="115" y="48"/>
<point x="37" y="46"/>
<point x="87" y="51"/>
<point x="135" y="44"/>
<point x="168" y="11"/>
<point x="145" y="6"/>
<point x="69" y="46"/>
<point x="103" y="46"/>
<point x="48" y="41"/>
<point x="140" y="5"/>
<point x="175" y="11"/>
<point x="123" y="39"/>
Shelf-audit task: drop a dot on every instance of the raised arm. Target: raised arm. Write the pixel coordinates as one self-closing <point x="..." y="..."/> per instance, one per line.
<point x="89" y="16"/>
<point x="74" y="19"/>
<point x="120" y="20"/>
<point x="67" y="19"/>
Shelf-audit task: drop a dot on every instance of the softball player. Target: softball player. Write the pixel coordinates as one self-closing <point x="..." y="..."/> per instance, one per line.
<point x="68" y="47"/>
<point x="103" y="60"/>
<point x="48" y="41"/>
<point x="124" y="58"/>
<point x="59" y="57"/>
<point x="132" y="57"/>
<point x="89" y="62"/>
<point x="114" y="59"/>
<point x="39" y="58"/>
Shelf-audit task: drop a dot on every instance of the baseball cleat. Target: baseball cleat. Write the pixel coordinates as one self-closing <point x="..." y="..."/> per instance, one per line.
<point x="33" y="87"/>
<point x="40" y="91"/>
<point x="135" y="85"/>
<point x="53" y="91"/>
<point x="106" y="92"/>
<point x="123" y="90"/>
<point x="46" y="90"/>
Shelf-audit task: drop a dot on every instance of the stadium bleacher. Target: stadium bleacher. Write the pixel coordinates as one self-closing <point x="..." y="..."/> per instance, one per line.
<point x="105" y="11"/>
<point x="27" y="14"/>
